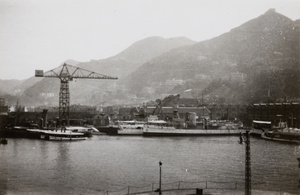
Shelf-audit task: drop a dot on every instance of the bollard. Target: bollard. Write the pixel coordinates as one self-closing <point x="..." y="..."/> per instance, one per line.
<point x="199" y="191"/>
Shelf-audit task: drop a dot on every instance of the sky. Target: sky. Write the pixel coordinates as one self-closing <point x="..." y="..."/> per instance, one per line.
<point x="37" y="34"/>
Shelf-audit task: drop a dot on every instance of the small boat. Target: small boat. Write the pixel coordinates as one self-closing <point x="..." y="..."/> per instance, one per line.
<point x="57" y="135"/>
<point x="259" y="127"/>
<point x="63" y="136"/>
<point x="290" y="135"/>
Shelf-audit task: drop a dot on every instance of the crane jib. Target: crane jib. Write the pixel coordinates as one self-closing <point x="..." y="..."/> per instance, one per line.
<point x="66" y="73"/>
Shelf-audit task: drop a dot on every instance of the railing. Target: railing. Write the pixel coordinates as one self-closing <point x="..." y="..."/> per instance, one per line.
<point x="209" y="185"/>
<point x="180" y="185"/>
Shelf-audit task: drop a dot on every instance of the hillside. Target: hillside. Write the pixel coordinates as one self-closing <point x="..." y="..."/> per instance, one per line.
<point x="7" y="86"/>
<point x="135" y="55"/>
<point x="236" y="67"/>
<point x="247" y="64"/>
<point x="93" y="92"/>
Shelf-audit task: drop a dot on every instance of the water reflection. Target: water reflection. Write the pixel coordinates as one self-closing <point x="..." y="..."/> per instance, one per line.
<point x="112" y="163"/>
<point x="3" y="170"/>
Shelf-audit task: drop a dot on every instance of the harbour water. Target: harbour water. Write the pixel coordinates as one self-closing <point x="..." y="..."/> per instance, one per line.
<point x="109" y="164"/>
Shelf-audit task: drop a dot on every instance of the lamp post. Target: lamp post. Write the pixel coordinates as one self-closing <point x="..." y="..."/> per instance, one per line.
<point x="248" y="166"/>
<point x="160" y="164"/>
<point x="247" y="163"/>
<point x="299" y="167"/>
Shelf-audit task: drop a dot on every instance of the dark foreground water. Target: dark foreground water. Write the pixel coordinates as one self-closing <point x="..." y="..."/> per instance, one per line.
<point x="103" y="164"/>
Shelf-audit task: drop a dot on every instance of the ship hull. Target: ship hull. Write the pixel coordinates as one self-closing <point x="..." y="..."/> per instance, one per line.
<point x="190" y="132"/>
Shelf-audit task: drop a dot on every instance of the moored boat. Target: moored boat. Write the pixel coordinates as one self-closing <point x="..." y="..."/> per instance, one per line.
<point x="63" y="136"/>
<point x="259" y="127"/>
<point x="130" y="127"/>
<point x="88" y="131"/>
<point x="109" y="130"/>
<point x="163" y="128"/>
<point x="284" y="135"/>
<point x="19" y="131"/>
<point x="58" y="135"/>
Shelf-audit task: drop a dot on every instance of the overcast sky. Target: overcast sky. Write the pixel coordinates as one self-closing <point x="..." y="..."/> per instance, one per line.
<point x="42" y="34"/>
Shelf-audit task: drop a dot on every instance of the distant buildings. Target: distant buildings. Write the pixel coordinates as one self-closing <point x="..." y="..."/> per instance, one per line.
<point x="3" y="107"/>
<point x="47" y="95"/>
<point x="182" y="108"/>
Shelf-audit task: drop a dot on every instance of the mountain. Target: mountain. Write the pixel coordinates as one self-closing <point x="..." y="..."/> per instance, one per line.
<point x="85" y="91"/>
<point x="257" y="61"/>
<point x="239" y="66"/>
<point x="135" y="55"/>
<point x="7" y="86"/>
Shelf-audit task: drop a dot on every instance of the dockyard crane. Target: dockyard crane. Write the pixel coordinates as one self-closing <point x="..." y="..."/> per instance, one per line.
<point x="166" y="100"/>
<point x="67" y="73"/>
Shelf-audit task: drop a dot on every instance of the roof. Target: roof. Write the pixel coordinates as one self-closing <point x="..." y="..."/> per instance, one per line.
<point x="262" y="122"/>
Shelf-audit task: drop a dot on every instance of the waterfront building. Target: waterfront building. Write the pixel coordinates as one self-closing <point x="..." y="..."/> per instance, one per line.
<point x="228" y="111"/>
<point x="288" y="112"/>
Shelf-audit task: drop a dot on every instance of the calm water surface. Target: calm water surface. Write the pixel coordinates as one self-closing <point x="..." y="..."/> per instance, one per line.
<point x="108" y="163"/>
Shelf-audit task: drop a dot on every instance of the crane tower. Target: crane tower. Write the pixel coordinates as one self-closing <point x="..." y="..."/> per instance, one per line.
<point x="67" y="73"/>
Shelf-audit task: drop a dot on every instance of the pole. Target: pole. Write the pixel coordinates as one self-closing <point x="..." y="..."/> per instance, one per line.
<point x="299" y="167"/>
<point x="247" y="166"/>
<point x="160" y="164"/>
